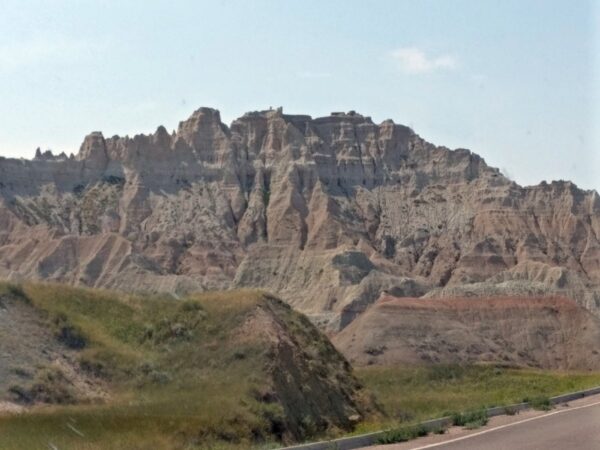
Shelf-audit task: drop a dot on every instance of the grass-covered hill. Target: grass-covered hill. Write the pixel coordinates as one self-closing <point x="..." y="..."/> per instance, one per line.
<point x="216" y="370"/>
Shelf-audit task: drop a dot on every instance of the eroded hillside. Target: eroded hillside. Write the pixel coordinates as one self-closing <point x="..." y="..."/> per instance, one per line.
<point x="544" y="332"/>
<point x="239" y="368"/>
<point x="326" y="212"/>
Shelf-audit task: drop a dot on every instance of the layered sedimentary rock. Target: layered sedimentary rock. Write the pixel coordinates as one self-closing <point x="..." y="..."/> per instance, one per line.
<point x="528" y="331"/>
<point x="326" y="212"/>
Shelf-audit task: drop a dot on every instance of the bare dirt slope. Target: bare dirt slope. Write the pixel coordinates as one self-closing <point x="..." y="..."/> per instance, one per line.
<point x="326" y="212"/>
<point x="545" y="332"/>
<point x="25" y="343"/>
<point x="29" y="349"/>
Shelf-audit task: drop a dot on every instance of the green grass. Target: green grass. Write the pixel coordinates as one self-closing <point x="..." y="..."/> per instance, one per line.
<point x="210" y="425"/>
<point x="410" y="395"/>
<point x="178" y="378"/>
<point x="181" y="374"/>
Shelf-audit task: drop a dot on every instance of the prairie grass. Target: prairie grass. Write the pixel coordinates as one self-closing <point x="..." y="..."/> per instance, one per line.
<point x="412" y="394"/>
<point x="178" y="380"/>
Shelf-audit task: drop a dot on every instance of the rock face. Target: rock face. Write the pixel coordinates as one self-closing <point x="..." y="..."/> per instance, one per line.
<point x="529" y="331"/>
<point x="326" y="212"/>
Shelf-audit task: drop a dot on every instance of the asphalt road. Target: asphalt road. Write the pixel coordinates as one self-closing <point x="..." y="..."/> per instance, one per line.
<point x="569" y="429"/>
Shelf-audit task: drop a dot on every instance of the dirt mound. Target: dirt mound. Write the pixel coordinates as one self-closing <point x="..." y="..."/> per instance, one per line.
<point x="543" y="332"/>
<point x="306" y="374"/>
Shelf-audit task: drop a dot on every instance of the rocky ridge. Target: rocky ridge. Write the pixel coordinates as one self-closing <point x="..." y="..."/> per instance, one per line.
<point x="328" y="213"/>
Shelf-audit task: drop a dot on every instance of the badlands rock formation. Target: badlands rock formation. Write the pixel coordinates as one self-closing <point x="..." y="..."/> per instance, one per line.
<point x="328" y="213"/>
<point x="529" y="331"/>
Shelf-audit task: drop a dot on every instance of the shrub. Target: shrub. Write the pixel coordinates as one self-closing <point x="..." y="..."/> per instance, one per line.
<point x="438" y="430"/>
<point x="476" y="424"/>
<point x="403" y="415"/>
<point x="114" y="180"/>
<point x="52" y="386"/>
<point x="78" y="189"/>
<point x="96" y="362"/>
<point x="274" y="415"/>
<point x="402" y="434"/>
<point x="21" y="372"/>
<point x="16" y="290"/>
<point x="266" y="197"/>
<point x="68" y="334"/>
<point x="49" y="386"/>
<point x="159" y="377"/>
<point x="470" y="419"/>
<point x="176" y="326"/>
<point x="20" y="393"/>
<point x="540" y="403"/>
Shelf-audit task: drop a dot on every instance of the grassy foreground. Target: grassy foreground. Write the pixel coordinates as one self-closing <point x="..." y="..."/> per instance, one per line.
<point x="415" y="394"/>
<point x="181" y="374"/>
<point x="407" y="395"/>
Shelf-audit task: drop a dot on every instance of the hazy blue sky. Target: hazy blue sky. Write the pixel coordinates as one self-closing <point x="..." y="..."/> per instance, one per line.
<point x="515" y="81"/>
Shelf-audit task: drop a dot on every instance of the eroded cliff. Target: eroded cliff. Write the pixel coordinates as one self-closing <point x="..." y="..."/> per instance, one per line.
<point x="326" y="212"/>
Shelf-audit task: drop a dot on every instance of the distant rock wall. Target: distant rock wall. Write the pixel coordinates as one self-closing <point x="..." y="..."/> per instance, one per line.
<point x="326" y="212"/>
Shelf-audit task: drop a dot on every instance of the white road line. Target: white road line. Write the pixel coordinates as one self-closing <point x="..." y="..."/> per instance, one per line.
<point x="439" y="444"/>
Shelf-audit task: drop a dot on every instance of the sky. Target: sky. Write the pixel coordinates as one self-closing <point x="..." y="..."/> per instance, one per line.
<point x="516" y="81"/>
